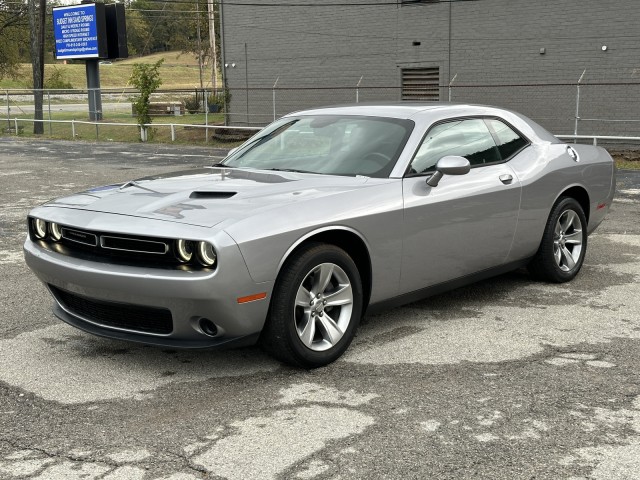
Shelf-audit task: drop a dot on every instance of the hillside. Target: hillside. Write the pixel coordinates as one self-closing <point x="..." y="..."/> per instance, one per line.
<point x="179" y="70"/>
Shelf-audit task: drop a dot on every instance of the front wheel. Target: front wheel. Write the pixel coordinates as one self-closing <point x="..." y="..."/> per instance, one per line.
<point x="316" y="307"/>
<point x="563" y="245"/>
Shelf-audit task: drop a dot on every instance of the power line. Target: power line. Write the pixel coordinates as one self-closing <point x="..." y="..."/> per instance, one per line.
<point x="151" y="32"/>
<point x="325" y="4"/>
<point x="393" y="37"/>
<point x="170" y="15"/>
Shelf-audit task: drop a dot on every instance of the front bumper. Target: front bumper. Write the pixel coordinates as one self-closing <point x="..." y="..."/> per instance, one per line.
<point x="188" y="295"/>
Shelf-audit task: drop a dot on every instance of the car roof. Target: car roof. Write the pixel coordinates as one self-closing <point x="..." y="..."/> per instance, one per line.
<point x="393" y="110"/>
<point x="434" y="111"/>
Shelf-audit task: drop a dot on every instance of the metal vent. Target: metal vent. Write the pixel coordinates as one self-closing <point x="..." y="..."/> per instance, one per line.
<point x="211" y="195"/>
<point x="420" y="84"/>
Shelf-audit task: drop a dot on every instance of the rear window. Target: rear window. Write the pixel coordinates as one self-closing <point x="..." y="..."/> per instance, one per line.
<point x="509" y="142"/>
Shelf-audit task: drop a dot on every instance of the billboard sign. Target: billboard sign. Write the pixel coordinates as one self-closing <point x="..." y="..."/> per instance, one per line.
<point x="79" y="31"/>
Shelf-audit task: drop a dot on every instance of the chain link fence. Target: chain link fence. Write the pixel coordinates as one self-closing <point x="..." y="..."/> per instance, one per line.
<point x="588" y="106"/>
<point x="259" y="106"/>
<point x="181" y="115"/>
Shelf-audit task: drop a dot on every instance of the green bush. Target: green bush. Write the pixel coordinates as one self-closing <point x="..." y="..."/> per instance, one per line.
<point x="56" y="81"/>
<point x="191" y="104"/>
<point x="221" y="99"/>
<point x="146" y="78"/>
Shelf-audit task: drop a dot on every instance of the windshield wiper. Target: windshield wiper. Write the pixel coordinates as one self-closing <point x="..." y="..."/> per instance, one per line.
<point x="294" y="170"/>
<point x="220" y="164"/>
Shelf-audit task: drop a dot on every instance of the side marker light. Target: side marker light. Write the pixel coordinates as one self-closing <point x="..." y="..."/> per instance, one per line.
<point x="252" y="298"/>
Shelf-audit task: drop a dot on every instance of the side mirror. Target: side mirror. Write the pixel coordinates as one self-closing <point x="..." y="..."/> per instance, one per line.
<point x="450" y="165"/>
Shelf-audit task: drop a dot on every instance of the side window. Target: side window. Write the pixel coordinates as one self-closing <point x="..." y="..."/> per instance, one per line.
<point x="509" y="142"/>
<point x="469" y="138"/>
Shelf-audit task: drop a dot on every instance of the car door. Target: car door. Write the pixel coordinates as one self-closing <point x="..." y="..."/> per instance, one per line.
<point x="466" y="223"/>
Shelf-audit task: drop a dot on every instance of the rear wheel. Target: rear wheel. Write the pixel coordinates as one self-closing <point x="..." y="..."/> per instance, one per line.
<point x="563" y="245"/>
<point x="316" y="307"/>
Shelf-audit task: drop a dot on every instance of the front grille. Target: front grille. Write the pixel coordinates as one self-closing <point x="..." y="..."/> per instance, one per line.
<point x="133" y="245"/>
<point x="117" y="315"/>
<point x="122" y="249"/>
<point x="81" y="237"/>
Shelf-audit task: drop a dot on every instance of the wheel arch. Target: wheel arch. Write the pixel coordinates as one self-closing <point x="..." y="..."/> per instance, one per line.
<point x="348" y="239"/>
<point x="580" y="194"/>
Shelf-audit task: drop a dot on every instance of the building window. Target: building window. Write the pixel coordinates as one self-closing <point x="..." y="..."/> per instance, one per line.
<point x="421" y="84"/>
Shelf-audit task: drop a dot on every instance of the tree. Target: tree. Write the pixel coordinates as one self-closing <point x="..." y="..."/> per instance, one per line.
<point x="146" y="78"/>
<point x="175" y="27"/>
<point x="13" y="32"/>
<point x="37" y="11"/>
<point x="137" y="32"/>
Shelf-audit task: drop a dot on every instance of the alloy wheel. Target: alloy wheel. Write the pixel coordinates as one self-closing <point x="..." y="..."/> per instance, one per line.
<point x="323" y="307"/>
<point x="567" y="240"/>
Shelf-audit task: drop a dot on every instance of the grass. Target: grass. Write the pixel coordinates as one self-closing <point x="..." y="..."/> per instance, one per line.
<point x="180" y="70"/>
<point x="106" y="132"/>
<point x="626" y="159"/>
<point x="170" y="58"/>
<point x="17" y="83"/>
<point x="627" y="165"/>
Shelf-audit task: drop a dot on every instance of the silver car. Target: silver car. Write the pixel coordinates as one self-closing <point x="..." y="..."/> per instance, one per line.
<point x="322" y="216"/>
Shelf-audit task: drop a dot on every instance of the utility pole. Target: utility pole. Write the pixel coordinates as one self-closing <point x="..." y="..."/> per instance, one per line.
<point x="37" y="10"/>
<point x="200" y="66"/>
<point x="212" y="46"/>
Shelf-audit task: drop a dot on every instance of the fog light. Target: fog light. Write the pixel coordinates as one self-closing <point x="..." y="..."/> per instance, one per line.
<point x="184" y="250"/>
<point x="206" y="254"/>
<point x="40" y="228"/>
<point x="56" y="231"/>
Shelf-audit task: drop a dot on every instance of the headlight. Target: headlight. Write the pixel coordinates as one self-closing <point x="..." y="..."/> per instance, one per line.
<point x="184" y="250"/>
<point x="206" y="254"/>
<point x="56" y="231"/>
<point x="40" y="228"/>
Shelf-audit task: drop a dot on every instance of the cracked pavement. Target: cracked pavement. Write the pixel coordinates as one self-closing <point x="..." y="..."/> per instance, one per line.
<point x="503" y="379"/>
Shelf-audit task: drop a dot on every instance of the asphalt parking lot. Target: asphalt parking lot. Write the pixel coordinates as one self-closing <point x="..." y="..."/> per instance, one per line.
<point x="505" y="379"/>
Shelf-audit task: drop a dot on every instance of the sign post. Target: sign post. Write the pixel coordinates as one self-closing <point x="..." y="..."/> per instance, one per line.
<point x="92" y="68"/>
<point x="86" y="32"/>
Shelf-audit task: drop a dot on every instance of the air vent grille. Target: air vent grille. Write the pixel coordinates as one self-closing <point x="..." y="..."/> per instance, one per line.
<point x="420" y="84"/>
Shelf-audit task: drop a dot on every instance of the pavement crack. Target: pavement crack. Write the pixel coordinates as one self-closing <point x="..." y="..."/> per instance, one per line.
<point x="59" y="455"/>
<point x="187" y="462"/>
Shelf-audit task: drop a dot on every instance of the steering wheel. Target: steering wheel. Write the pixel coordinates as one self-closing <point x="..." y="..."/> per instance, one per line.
<point x="377" y="157"/>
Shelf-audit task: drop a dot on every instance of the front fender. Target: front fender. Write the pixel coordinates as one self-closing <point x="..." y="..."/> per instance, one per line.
<point x="374" y="214"/>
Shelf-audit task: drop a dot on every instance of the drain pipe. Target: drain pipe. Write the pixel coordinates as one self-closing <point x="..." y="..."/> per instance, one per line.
<point x="575" y="130"/>
<point x="223" y="63"/>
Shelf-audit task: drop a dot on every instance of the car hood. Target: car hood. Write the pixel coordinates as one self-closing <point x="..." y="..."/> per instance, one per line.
<point x="205" y="197"/>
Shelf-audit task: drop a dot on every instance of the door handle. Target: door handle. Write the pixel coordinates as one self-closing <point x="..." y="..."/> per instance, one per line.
<point x="506" y="179"/>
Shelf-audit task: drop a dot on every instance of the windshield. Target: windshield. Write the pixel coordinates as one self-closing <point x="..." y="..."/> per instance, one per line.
<point x="326" y="144"/>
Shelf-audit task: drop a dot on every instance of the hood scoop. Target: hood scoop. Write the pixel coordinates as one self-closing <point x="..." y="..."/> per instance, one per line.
<point x="209" y="195"/>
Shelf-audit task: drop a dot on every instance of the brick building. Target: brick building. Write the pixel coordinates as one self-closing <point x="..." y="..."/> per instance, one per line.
<point x="513" y="53"/>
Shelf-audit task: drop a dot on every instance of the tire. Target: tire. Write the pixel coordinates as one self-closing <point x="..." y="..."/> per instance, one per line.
<point x="564" y="243"/>
<point x="309" y="324"/>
